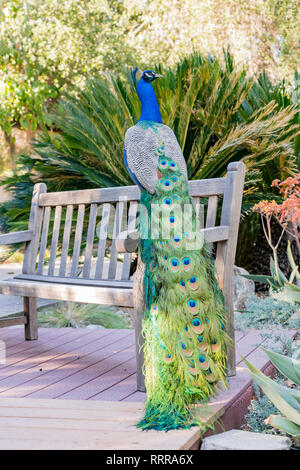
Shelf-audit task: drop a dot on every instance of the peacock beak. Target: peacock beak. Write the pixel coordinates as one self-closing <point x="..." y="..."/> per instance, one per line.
<point x="157" y="75"/>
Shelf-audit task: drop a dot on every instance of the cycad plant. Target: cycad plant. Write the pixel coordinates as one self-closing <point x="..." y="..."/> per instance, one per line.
<point x="203" y="99"/>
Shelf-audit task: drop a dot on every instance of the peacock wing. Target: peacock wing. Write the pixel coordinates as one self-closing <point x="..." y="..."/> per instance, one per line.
<point x="172" y="148"/>
<point x="141" y="144"/>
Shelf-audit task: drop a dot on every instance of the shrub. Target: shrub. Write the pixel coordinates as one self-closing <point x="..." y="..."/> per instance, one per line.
<point x="202" y="99"/>
<point x="267" y="312"/>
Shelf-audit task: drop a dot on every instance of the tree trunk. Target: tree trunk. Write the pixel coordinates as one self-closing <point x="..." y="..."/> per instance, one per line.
<point x="11" y="142"/>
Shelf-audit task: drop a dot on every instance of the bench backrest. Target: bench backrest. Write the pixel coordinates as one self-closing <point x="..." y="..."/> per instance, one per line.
<point x="84" y="224"/>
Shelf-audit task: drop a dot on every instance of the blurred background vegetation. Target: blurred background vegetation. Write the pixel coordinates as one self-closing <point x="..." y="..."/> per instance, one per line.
<point x="230" y="91"/>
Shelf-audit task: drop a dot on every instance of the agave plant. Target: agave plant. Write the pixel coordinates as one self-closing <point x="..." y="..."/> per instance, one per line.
<point x="282" y="288"/>
<point x="286" y="399"/>
<point x="202" y="99"/>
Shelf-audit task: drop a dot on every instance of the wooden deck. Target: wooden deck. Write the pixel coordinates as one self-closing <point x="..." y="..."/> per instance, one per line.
<point x="91" y="376"/>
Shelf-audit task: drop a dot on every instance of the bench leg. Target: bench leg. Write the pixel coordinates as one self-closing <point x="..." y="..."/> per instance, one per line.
<point x="139" y="307"/>
<point x="30" y="312"/>
<point x="139" y="343"/>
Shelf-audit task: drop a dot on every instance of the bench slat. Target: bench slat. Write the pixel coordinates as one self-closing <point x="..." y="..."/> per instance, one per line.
<point x="211" y="211"/>
<point x="112" y="268"/>
<point x="131" y="226"/>
<point x="216" y="234"/>
<point x="91" y="196"/>
<point x="35" y="226"/>
<point x="106" y="209"/>
<point x="76" y="281"/>
<point x="66" y="241"/>
<point x="200" y="188"/>
<point x="78" y="237"/>
<point x="13" y="321"/>
<point x="15" y="237"/>
<point x="55" y="235"/>
<point x="44" y="239"/>
<point x="76" y="293"/>
<point x="199" y="209"/>
<point x="90" y="241"/>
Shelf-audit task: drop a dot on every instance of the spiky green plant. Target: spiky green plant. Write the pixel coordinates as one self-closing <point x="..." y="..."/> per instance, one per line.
<point x="286" y="400"/>
<point x="202" y="99"/>
<point x="75" y="315"/>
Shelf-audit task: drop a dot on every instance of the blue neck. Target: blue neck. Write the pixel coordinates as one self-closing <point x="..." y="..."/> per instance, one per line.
<point x="150" y="108"/>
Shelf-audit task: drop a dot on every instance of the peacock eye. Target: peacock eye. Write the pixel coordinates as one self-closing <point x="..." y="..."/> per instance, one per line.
<point x="202" y="359"/>
<point x="168" y="201"/>
<point x="196" y="322"/>
<point x="154" y="310"/>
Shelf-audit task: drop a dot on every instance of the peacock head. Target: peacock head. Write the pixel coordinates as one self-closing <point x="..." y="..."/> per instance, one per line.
<point x="146" y="75"/>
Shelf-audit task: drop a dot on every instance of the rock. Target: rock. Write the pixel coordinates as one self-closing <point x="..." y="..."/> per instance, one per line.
<point x="244" y="440"/>
<point x="242" y="288"/>
<point x="120" y="312"/>
<point x="95" y="327"/>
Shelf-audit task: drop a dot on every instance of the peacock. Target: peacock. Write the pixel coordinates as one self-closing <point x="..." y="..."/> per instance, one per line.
<point x="184" y="318"/>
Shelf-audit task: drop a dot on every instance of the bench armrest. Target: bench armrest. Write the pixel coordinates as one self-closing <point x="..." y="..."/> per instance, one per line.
<point x="127" y="242"/>
<point x="15" y="237"/>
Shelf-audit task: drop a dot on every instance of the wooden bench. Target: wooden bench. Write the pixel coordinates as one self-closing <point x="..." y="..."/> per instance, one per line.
<point x="94" y="264"/>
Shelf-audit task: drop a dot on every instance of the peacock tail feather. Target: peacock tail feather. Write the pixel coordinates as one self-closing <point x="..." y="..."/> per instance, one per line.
<point x="183" y="325"/>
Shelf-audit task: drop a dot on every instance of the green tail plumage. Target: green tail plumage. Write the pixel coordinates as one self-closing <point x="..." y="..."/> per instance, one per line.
<point x="183" y="326"/>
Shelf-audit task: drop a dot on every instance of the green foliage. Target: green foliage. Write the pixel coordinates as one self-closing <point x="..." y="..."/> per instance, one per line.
<point x="285" y="399"/>
<point x="261" y="406"/>
<point x="202" y="99"/>
<point x="48" y="45"/>
<point x="70" y="314"/>
<point x="268" y="312"/>
<point x="259" y="410"/>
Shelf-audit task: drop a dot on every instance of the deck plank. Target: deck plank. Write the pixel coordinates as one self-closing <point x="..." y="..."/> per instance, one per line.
<point x="56" y="366"/>
<point x="53" y="376"/>
<point x="27" y="349"/>
<point x="64" y="424"/>
<point x="21" y="360"/>
<point x="79" y="389"/>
